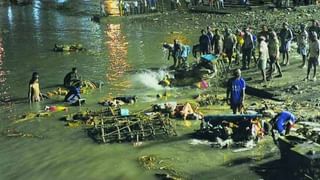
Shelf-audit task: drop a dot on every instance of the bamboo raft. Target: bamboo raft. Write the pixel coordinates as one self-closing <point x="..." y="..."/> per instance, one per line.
<point x="135" y="128"/>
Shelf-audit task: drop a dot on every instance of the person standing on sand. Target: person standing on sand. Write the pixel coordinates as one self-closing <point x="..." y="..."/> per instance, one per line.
<point x="303" y="45"/>
<point x="176" y="52"/>
<point x="240" y="41"/>
<point x="247" y="48"/>
<point x="34" y="94"/>
<point x="264" y="32"/>
<point x="314" y="51"/>
<point x="274" y="53"/>
<point x="204" y="42"/>
<point x="285" y="39"/>
<point x="314" y="27"/>
<point x="229" y="45"/>
<point x="263" y="57"/>
<point x="236" y="92"/>
<point x="210" y="35"/>
<point x="217" y="42"/>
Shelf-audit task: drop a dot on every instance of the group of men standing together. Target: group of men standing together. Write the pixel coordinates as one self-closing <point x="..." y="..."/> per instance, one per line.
<point x="269" y="47"/>
<point x="268" y="44"/>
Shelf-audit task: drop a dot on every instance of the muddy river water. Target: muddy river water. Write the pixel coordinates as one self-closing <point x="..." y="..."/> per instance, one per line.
<point x="119" y="54"/>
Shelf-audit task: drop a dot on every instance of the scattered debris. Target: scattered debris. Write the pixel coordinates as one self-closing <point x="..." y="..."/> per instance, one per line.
<point x="164" y="166"/>
<point x="231" y="130"/>
<point x="110" y="129"/>
<point x="86" y="87"/>
<point x="68" y="48"/>
<point x="16" y="133"/>
<point x="201" y="142"/>
<point x="30" y="116"/>
<point x="208" y="100"/>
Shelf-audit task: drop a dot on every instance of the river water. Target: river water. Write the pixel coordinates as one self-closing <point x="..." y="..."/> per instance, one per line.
<point x="118" y="54"/>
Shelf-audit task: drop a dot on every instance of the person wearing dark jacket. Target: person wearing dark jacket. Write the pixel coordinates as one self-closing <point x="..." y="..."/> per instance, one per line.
<point x="204" y="42"/>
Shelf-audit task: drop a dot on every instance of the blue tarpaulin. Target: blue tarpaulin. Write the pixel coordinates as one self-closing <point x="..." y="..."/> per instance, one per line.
<point x="209" y="57"/>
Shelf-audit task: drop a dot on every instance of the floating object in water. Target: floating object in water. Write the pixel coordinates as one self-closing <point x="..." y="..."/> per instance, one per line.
<point x="198" y="141"/>
<point x="30" y="116"/>
<point x="16" y="133"/>
<point x="95" y="18"/>
<point x="68" y="48"/>
<point x="55" y="108"/>
<point x="187" y="123"/>
<point x="242" y="149"/>
<point x="127" y="99"/>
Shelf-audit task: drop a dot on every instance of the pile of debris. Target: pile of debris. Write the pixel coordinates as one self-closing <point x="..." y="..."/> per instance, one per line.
<point x="301" y="149"/>
<point x="116" y="125"/>
<point x="86" y="87"/>
<point x="231" y="129"/>
<point x="164" y="167"/>
<point x="310" y="130"/>
<point x="208" y="100"/>
<point x="16" y="133"/>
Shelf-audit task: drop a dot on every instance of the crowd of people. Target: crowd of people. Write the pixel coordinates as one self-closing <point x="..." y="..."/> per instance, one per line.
<point x="127" y="8"/>
<point x="278" y="3"/>
<point x="263" y="47"/>
<point x="269" y="45"/>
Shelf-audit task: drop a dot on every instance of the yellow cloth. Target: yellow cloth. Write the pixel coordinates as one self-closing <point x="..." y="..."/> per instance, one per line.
<point x="240" y="40"/>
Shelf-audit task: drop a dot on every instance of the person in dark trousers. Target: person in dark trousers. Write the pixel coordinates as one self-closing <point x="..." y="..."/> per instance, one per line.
<point x="286" y="37"/>
<point x="236" y="92"/>
<point x="210" y="35"/>
<point x="204" y="42"/>
<point x="229" y="45"/>
<point x="176" y="52"/>
<point x="247" y="48"/>
<point x="73" y="97"/>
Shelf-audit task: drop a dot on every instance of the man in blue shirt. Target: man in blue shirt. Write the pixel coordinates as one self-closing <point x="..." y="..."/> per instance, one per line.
<point x="236" y="92"/>
<point x="73" y="95"/>
<point x="283" y="122"/>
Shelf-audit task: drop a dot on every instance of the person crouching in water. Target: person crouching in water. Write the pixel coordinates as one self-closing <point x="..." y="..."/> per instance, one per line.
<point x="314" y="47"/>
<point x="263" y="57"/>
<point x="73" y="97"/>
<point x="34" y="94"/>
<point x="236" y="92"/>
